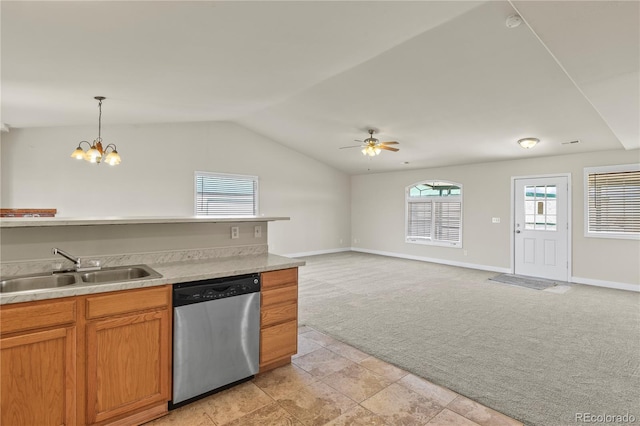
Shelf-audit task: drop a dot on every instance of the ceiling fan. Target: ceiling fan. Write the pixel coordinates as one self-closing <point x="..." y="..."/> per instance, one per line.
<point x="372" y="146"/>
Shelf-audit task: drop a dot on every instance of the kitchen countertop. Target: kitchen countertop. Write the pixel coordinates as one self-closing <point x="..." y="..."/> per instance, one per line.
<point x="32" y="222"/>
<point x="172" y="273"/>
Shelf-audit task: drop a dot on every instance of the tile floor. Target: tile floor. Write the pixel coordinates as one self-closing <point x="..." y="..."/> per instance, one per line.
<point x="331" y="383"/>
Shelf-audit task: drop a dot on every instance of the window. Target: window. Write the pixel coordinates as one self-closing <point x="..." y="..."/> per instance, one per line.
<point x="612" y="201"/>
<point x="434" y="213"/>
<point x="218" y="194"/>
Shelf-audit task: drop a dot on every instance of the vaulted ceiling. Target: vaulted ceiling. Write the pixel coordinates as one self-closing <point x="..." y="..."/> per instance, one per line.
<point x="447" y="79"/>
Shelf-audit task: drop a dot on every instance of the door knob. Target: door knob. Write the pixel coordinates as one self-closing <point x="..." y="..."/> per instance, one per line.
<point x="517" y="231"/>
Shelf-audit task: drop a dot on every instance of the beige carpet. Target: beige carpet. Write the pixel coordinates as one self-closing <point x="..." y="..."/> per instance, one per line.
<point x="538" y="356"/>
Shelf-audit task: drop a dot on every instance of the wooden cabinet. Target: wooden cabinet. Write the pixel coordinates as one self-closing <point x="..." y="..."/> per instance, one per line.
<point x="38" y="363"/>
<point x="97" y="359"/>
<point x="128" y="346"/>
<point x="278" y="318"/>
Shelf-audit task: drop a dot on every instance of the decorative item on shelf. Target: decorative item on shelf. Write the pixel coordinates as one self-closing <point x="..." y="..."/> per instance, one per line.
<point x="96" y="152"/>
<point x="528" y="143"/>
<point x="28" y="212"/>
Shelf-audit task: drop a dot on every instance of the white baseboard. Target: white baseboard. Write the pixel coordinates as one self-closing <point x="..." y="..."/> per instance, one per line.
<point x="317" y="252"/>
<point x="434" y="260"/>
<point x="607" y="284"/>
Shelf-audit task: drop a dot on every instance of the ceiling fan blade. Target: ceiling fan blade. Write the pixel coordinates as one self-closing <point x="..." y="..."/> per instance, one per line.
<point x="389" y="143"/>
<point x="358" y="140"/>
<point x="351" y="146"/>
<point x="388" y="148"/>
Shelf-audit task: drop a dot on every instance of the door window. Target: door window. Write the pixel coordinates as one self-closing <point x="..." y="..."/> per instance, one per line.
<point x="540" y="208"/>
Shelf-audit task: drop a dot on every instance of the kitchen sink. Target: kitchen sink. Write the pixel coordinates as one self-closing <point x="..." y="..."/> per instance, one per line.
<point x="115" y="274"/>
<point x="36" y="282"/>
<point x="119" y="274"/>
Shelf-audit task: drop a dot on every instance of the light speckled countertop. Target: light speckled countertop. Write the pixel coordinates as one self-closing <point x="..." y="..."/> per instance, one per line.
<point x="35" y="222"/>
<point x="172" y="273"/>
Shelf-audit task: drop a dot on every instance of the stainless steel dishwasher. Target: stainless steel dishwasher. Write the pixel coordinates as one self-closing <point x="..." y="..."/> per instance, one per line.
<point x="216" y="335"/>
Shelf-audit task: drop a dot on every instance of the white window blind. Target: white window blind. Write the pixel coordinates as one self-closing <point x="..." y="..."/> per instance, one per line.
<point x="419" y="219"/>
<point x="434" y="213"/>
<point x="613" y="201"/>
<point x="448" y="220"/>
<point x="218" y="194"/>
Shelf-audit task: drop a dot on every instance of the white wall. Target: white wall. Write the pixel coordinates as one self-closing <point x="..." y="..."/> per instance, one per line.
<point x="377" y="213"/>
<point x="156" y="177"/>
<point x="325" y="205"/>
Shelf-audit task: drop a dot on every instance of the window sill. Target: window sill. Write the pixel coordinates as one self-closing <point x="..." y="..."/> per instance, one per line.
<point x="612" y="235"/>
<point x="433" y="243"/>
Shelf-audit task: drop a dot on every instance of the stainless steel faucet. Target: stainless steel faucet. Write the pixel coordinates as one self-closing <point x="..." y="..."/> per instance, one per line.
<point x="76" y="260"/>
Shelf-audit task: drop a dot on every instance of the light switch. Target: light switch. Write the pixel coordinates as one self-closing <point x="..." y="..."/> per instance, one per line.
<point x="257" y="231"/>
<point x="495" y="220"/>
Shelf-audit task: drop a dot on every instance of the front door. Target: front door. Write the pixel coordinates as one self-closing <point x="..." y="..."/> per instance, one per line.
<point x="541" y="227"/>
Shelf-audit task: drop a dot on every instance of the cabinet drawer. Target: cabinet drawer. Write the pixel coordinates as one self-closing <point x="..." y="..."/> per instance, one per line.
<point x="128" y="301"/>
<point x="278" y="341"/>
<point x="279" y="278"/>
<point x="278" y="314"/>
<point x="279" y="296"/>
<point x="32" y="315"/>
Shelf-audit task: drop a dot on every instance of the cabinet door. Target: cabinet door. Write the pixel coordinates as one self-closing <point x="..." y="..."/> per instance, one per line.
<point x="38" y="378"/>
<point x="128" y="363"/>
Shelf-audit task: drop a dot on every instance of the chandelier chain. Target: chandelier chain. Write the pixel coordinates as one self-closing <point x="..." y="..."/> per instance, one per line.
<point x="99" y="119"/>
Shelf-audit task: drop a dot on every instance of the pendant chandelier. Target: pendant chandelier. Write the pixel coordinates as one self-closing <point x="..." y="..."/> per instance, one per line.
<point x="96" y="152"/>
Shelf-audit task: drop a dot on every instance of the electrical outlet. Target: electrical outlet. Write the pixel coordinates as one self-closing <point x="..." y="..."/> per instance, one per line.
<point x="235" y="232"/>
<point x="257" y="231"/>
<point x="495" y="220"/>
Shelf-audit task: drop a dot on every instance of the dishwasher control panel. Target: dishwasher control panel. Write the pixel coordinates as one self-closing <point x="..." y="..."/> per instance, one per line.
<point x="214" y="289"/>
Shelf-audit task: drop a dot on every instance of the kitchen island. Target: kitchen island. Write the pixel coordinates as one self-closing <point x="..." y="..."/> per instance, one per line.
<point x="107" y="346"/>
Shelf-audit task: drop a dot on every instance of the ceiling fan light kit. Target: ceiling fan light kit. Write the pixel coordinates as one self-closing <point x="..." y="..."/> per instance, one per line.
<point x="371" y="151"/>
<point x="372" y="146"/>
<point x="96" y="152"/>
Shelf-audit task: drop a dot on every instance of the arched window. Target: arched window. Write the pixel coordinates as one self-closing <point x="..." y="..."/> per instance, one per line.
<point x="434" y="213"/>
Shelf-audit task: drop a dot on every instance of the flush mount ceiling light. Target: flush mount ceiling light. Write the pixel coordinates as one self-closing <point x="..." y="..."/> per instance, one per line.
<point x="95" y="153"/>
<point x="513" y="21"/>
<point x="528" y="143"/>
